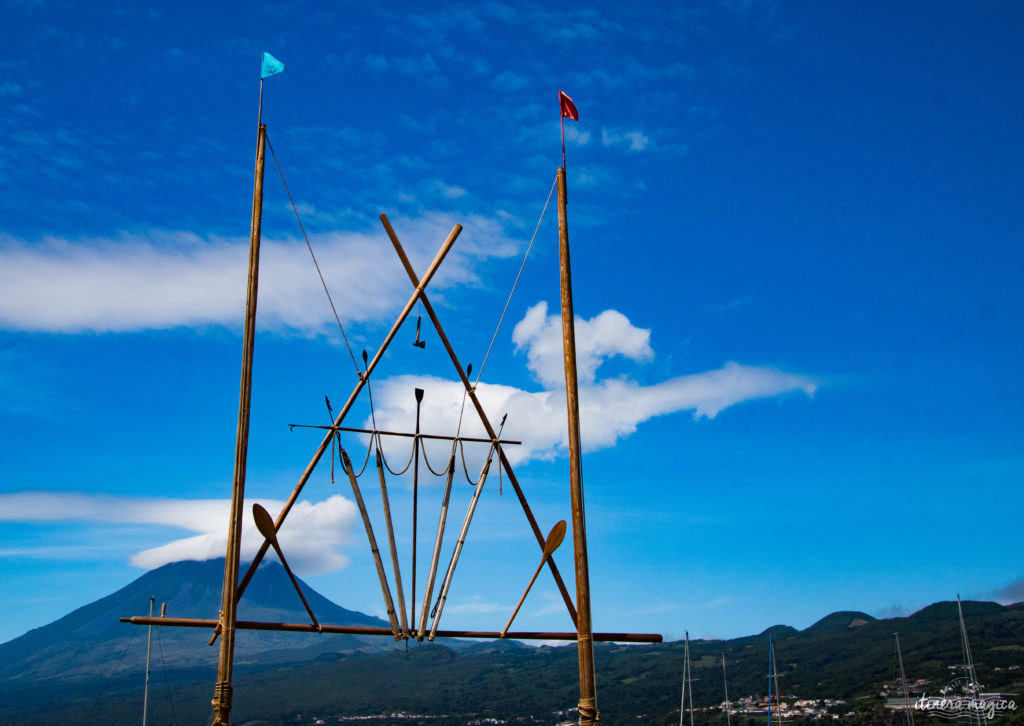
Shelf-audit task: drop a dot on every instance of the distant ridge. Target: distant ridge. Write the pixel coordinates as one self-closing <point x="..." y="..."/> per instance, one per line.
<point x="86" y="667"/>
<point x="506" y="680"/>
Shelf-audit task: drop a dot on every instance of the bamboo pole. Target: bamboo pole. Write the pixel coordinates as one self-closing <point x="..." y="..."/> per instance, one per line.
<point x="406" y="434"/>
<point x="368" y="630"/>
<point x="438" y="259"/>
<point x="149" y="650"/>
<point x="393" y="546"/>
<point x="229" y="601"/>
<point x="471" y="391"/>
<point x="418" y="393"/>
<point x="388" y="603"/>
<point x="585" y="645"/>
<point x="438" y="541"/>
<point x="450" y="572"/>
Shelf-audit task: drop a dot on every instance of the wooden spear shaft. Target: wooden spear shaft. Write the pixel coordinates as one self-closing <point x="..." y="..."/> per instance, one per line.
<point x="389" y="605"/>
<point x="222" y="691"/>
<point x="584" y="629"/>
<point x="438" y="541"/>
<point x="450" y="573"/>
<point x="393" y="546"/>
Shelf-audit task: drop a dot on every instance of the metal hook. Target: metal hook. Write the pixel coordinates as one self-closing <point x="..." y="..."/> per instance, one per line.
<point x="419" y="343"/>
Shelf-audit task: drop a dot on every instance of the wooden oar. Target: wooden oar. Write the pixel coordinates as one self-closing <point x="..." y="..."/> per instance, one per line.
<point x="555" y="537"/>
<point x="265" y="525"/>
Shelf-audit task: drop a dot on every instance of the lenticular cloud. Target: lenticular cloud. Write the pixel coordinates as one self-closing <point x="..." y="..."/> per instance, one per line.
<point x="610" y="409"/>
<point x="311" y="535"/>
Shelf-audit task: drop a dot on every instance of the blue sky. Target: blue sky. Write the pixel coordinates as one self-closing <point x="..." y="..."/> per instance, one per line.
<point x="796" y="238"/>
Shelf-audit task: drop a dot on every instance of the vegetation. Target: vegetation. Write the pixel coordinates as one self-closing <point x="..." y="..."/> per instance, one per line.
<point x="846" y="656"/>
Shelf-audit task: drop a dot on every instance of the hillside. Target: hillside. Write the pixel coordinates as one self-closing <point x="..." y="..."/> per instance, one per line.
<point x="289" y="678"/>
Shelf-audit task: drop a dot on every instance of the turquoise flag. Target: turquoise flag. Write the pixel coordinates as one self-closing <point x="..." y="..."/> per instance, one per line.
<point x="271" y="66"/>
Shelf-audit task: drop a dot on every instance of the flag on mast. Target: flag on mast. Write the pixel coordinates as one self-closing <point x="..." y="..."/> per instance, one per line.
<point x="271" y="66"/>
<point x="568" y="107"/>
<point x="569" y="111"/>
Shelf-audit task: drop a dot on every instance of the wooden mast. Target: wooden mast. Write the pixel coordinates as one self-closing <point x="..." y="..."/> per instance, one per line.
<point x="584" y="629"/>
<point x="229" y="601"/>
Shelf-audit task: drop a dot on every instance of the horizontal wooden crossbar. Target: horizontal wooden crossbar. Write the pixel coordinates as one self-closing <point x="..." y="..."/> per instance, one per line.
<point x="366" y="630"/>
<point x="437" y="437"/>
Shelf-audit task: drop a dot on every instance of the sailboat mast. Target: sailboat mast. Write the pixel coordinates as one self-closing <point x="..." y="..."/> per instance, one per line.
<point x="689" y="673"/>
<point x="223" y="691"/>
<point x="771" y="659"/>
<point x="687" y="681"/>
<point x="903" y="679"/>
<point x="584" y="629"/>
<point x="725" y="683"/>
<point x="967" y="657"/>
<point x="149" y="650"/>
<point x="773" y="681"/>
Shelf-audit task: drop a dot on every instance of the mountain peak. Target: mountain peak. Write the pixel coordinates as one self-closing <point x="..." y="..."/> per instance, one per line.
<point x="191" y="589"/>
<point x="842" y="620"/>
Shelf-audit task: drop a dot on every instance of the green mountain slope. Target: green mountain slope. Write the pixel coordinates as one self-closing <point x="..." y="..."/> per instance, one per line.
<point x="846" y="655"/>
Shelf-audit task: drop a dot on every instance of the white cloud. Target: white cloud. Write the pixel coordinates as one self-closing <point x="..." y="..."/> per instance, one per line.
<point x="170" y="279"/>
<point x="610" y="409"/>
<point x="310" y="536"/>
<point x="603" y="336"/>
<point x="574" y="135"/>
<point x="631" y="140"/>
<point x="1010" y="594"/>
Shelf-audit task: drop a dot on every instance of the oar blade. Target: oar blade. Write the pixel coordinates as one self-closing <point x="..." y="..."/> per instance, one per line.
<point x="555" y="537"/>
<point x="264" y="523"/>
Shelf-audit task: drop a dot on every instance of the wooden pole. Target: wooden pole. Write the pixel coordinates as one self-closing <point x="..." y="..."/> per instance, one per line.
<point x="229" y="602"/>
<point x="584" y="629"/>
<point x="450" y="572"/>
<point x="370" y="630"/>
<point x="438" y="541"/>
<point x="393" y="546"/>
<point x="149" y="650"/>
<point x="407" y="435"/>
<point x="418" y="392"/>
<point x="389" y="605"/>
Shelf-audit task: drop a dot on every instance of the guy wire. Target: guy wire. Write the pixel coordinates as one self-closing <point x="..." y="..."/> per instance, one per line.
<point x="315" y="263"/>
<point x="514" y="284"/>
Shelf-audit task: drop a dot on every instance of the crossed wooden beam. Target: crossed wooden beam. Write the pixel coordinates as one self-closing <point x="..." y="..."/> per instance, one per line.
<point x="419" y="294"/>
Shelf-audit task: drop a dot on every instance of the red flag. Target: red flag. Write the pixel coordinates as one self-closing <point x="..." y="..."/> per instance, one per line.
<point x="568" y="107"/>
